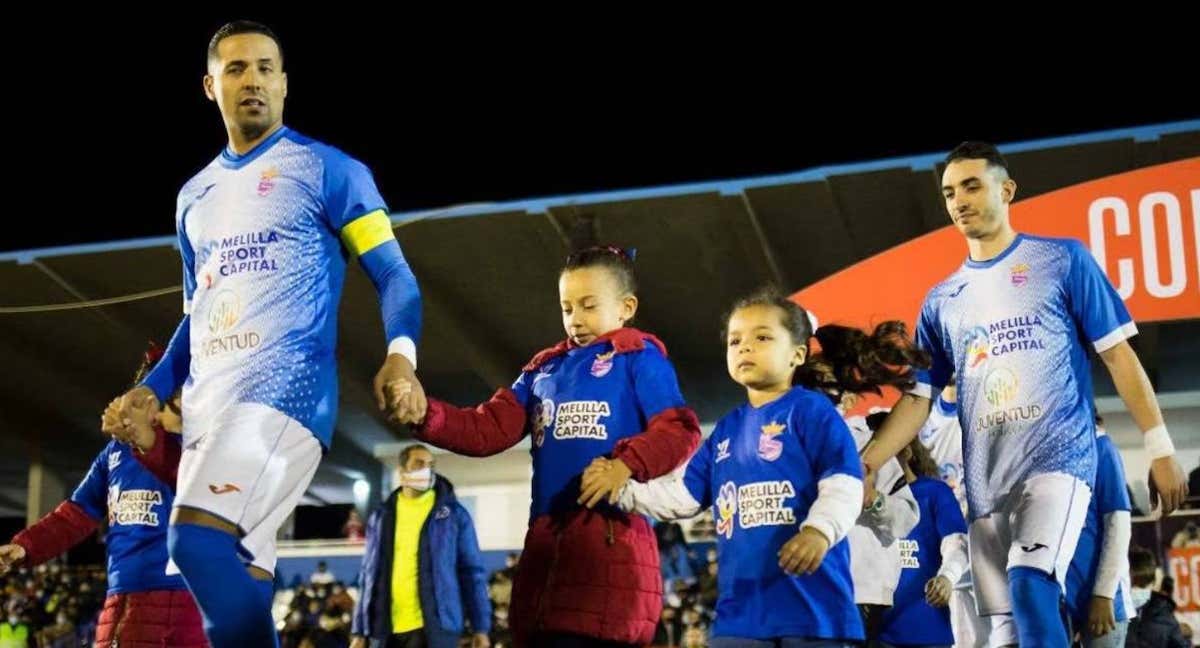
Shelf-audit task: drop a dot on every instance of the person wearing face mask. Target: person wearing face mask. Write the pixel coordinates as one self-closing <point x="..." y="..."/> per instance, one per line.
<point x="422" y="574"/>
<point x="1155" y="625"/>
<point x="59" y="635"/>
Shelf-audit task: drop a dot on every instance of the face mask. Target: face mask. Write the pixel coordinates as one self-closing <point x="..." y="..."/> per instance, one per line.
<point x="418" y="480"/>
<point x="1140" y="597"/>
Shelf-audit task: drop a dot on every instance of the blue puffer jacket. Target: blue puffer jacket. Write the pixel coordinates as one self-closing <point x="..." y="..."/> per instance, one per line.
<point x="452" y="582"/>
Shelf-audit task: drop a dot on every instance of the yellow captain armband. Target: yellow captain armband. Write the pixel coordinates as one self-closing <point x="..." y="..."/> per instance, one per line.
<point x="367" y="232"/>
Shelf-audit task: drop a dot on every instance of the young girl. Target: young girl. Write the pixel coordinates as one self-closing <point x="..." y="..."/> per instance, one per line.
<point x="782" y="475"/>
<point x="589" y="573"/>
<point x="143" y="606"/>
<point x="935" y="557"/>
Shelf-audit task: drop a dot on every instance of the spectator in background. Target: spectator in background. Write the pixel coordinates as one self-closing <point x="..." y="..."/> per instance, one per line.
<point x="695" y="637"/>
<point x="1188" y="536"/>
<point x="510" y="564"/>
<point x="422" y="575"/>
<point x="707" y="590"/>
<point x="672" y="555"/>
<point x="322" y="576"/>
<point x="670" y="628"/>
<point x="1155" y="625"/>
<point x="59" y="635"/>
<point x="354" y="529"/>
<point x="340" y="600"/>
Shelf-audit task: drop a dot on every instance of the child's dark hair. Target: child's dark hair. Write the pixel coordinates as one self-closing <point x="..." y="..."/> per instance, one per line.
<point x="618" y="260"/>
<point x="1141" y="566"/>
<point x="921" y="462"/>
<point x="850" y="359"/>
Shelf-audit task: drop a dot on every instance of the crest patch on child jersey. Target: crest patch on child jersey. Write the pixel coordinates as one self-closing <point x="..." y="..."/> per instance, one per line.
<point x="769" y="448"/>
<point x="603" y="364"/>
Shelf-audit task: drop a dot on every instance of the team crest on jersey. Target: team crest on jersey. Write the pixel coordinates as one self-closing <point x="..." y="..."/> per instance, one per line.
<point x="1019" y="274"/>
<point x="114" y="460"/>
<point x="603" y="364"/>
<point x="442" y="513"/>
<point x="722" y="451"/>
<point x="977" y="347"/>
<point x="266" y="182"/>
<point x="769" y="447"/>
<point x="543" y="415"/>
<point x="726" y="506"/>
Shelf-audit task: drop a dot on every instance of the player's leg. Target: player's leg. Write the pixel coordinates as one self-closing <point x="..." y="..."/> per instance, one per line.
<point x="988" y="541"/>
<point x="1046" y="521"/>
<point x="229" y="480"/>
<point x="970" y="630"/>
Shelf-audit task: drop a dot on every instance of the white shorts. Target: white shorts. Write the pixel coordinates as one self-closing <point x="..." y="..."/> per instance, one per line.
<point x="1038" y="526"/>
<point x="970" y="629"/>
<point x="250" y="469"/>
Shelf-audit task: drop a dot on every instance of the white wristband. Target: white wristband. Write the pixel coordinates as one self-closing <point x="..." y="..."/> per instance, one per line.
<point x="405" y="347"/>
<point x="1158" y="442"/>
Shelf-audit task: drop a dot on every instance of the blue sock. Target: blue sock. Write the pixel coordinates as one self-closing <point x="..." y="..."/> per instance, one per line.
<point x="231" y="601"/>
<point x="266" y="590"/>
<point x="1035" y="602"/>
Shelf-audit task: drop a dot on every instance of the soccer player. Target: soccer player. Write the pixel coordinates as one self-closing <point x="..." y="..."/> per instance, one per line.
<point x="265" y="231"/>
<point x="1012" y="324"/>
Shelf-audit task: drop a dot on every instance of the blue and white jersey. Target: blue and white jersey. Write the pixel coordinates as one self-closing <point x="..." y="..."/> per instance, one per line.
<point x="1014" y="331"/>
<point x="261" y="239"/>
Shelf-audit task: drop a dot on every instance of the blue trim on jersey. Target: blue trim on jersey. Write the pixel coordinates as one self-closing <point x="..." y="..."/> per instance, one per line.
<point x="399" y="295"/>
<point x="947" y="409"/>
<point x="172" y="370"/>
<point x="971" y="263"/>
<point x="231" y="160"/>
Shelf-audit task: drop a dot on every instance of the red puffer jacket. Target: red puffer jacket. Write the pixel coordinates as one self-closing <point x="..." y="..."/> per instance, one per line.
<point x="588" y="572"/>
